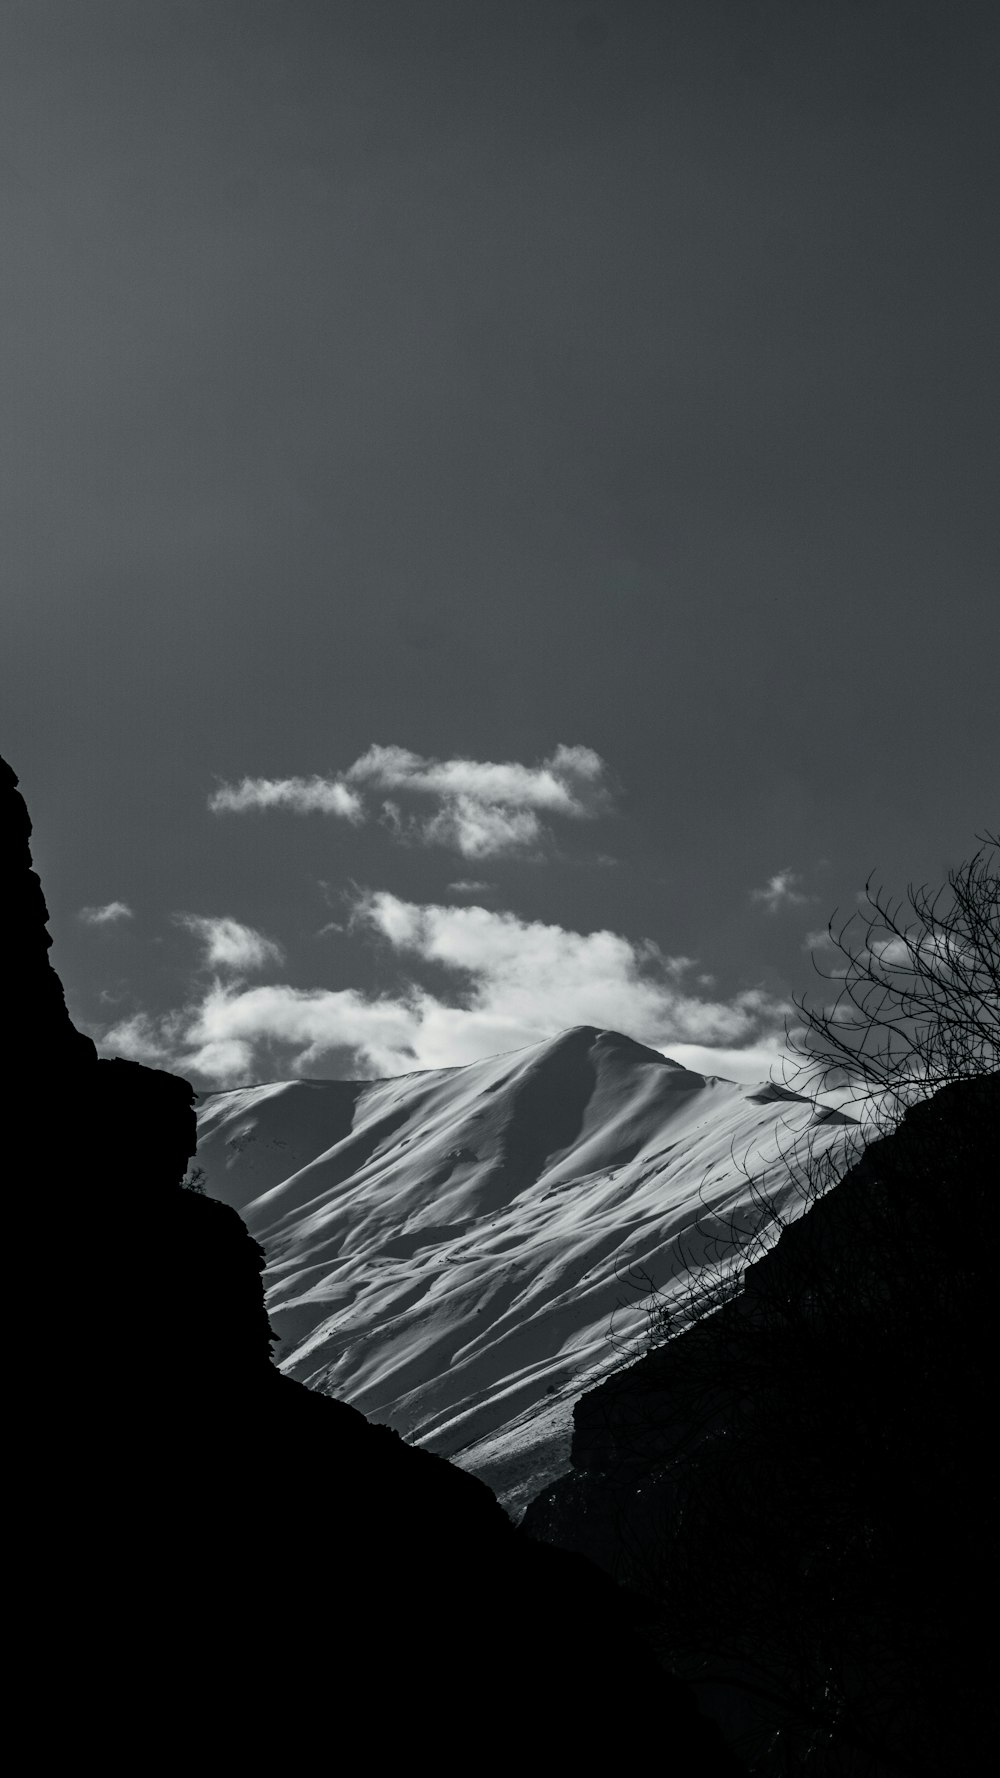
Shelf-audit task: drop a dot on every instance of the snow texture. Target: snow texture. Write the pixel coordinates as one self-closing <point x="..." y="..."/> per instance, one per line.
<point x="460" y="1252"/>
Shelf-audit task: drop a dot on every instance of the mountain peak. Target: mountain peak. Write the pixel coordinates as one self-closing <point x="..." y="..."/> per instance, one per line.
<point x="577" y="1038"/>
<point x="448" y="1250"/>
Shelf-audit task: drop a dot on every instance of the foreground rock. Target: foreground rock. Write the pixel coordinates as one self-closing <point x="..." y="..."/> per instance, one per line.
<point x="218" y="1566"/>
<point x="803" y="1485"/>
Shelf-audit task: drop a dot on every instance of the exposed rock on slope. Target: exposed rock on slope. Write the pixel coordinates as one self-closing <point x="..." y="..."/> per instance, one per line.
<point x="223" y="1567"/>
<point x="448" y="1250"/>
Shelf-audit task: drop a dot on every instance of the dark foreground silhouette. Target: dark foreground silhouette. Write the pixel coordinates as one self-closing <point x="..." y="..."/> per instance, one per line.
<point x="216" y="1566"/>
<point x="803" y="1486"/>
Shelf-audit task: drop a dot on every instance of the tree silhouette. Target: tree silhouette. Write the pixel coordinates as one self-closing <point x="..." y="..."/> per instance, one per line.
<point x="798" y="1475"/>
<point x="918" y="1001"/>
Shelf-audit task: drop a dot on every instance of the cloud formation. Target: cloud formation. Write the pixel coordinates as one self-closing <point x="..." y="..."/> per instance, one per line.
<point x="236" y="1033"/>
<point x="572" y="781"/>
<point x="781" y="891"/>
<point x="515" y="982"/>
<point x="229" y="945"/>
<point x="106" y="915"/>
<point x="482" y="809"/>
<point x="307" y="796"/>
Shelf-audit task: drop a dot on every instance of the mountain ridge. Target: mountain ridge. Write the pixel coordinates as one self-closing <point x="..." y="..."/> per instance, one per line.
<point x="448" y="1249"/>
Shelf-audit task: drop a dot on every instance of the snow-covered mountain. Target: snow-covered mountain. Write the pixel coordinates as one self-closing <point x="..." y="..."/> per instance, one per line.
<point x="451" y="1250"/>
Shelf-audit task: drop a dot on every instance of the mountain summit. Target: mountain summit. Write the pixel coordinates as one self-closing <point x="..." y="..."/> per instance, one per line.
<point x="449" y="1250"/>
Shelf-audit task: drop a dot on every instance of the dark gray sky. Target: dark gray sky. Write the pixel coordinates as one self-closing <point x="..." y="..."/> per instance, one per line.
<point x="475" y="379"/>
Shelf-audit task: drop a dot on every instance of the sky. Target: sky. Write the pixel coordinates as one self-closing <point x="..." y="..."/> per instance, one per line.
<point x="499" y="509"/>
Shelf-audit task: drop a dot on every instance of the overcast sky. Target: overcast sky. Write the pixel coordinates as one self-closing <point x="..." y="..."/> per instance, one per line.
<point x="499" y="507"/>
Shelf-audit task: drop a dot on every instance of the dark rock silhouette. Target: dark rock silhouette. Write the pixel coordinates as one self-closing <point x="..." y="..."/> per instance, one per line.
<point x="216" y="1564"/>
<point x="803" y="1486"/>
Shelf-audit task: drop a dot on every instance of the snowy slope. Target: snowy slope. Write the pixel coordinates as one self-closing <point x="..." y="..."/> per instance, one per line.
<point x="448" y="1250"/>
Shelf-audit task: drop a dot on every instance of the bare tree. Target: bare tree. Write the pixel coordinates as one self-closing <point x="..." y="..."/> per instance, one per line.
<point x="918" y="1002"/>
<point x="799" y="1483"/>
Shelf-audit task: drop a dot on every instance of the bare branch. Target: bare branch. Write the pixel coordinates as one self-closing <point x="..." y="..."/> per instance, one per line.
<point x="918" y="1000"/>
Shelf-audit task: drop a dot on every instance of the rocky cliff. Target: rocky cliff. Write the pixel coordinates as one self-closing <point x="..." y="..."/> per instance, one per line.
<point x="803" y="1486"/>
<point x="214" y="1563"/>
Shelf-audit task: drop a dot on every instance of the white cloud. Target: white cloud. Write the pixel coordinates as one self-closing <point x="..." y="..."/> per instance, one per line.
<point x="469" y="886"/>
<point x="572" y="781"/>
<point x="917" y="953"/>
<point x="307" y="796"/>
<point x="157" y="1042"/>
<point x="894" y="953"/>
<point x="820" y="940"/>
<point x="230" y="945"/>
<point x="750" y="1064"/>
<point x="528" y="979"/>
<point x="515" y="982"/>
<point x="482" y="830"/>
<point x="923" y="954"/>
<point x="106" y="915"/>
<point x="234" y="1030"/>
<point x="781" y="892"/>
<point x="484" y="808"/>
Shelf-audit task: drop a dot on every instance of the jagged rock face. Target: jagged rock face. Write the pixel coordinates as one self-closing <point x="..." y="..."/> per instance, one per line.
<point x="34" y="1003"/>
<point x="221" y="1564"/>
<point x="179" y="1273"/>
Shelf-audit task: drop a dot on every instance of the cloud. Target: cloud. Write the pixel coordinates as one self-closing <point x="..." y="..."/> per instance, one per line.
<point x="481" y="830"/>
<point x="468" y="886"/>
<point x="781" y="892"/>
<point x="915" y="955"/>
<point x="922" y="955"/>
<point x="106" y="915"/>
<point x="514" y="983"/>
<point x="530" y="978"/>
<point x="752" y="1063"/>
<point x="820" y="940"/>
<point x="572" y="781"/>
<point x="230" y="945"/>
<point x="144" y="1039"/>
<point x="307" y="796"/>
<point x="234" y="1030"/>
<point x="484" y="808"/>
